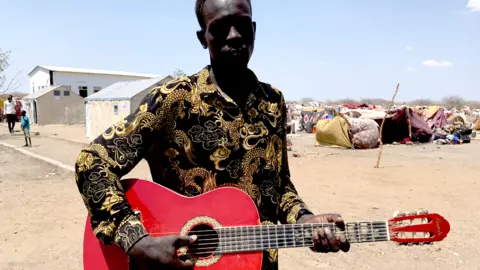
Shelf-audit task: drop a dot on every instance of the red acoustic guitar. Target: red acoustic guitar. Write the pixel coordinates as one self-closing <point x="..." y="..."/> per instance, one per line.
<point x="230" y="235"/>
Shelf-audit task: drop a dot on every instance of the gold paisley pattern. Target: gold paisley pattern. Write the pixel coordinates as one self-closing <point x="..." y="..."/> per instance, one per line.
<point x="195" y="139"/>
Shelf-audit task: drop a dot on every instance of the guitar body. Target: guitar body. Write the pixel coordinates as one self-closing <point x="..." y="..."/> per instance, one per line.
<point x="164" y="212"/>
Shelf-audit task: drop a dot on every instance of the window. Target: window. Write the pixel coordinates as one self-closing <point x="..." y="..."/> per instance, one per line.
<point x="96" y="89"/>
<point x="115" y="109"/>
<point x="83" y="91"/>
<point x="66" y="93"/>
<point x="56" y="93"/>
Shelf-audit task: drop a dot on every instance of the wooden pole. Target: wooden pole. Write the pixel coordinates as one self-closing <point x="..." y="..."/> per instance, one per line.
<point x="383" y="122"/>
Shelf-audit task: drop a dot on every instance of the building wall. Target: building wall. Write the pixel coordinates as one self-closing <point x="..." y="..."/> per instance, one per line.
<point x="61" y="109"/>
<point x="39" y="79"/>
<point x="91" y="81"/>
<point x="103" y="114"/>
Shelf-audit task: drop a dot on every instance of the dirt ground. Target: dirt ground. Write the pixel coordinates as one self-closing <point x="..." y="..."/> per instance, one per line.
<point x="43" y="216"/>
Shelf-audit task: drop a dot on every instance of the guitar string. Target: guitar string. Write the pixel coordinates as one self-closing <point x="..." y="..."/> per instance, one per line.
<point x="242" y="240"/>
<point x="203" y="246"/>
<point x="233" y="250"/>
<point x="251" y="237"/>
<point x="239" y="245"/>
<point x="265" y="227"/>
<point x="299" y="226"/>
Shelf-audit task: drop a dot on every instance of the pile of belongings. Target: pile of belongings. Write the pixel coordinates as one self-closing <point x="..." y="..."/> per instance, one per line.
<point x="452" y="134"/>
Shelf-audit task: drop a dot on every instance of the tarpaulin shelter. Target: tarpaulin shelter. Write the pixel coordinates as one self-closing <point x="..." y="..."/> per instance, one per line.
<point x="404" y="125"/>
<point x="476" y="126"/>
<point x="435" y="117"/>
<point x="364" y="133"/>
<point x="310" y="117"/>
<point x="355" y="106"/>
<point x="333" y="132"/>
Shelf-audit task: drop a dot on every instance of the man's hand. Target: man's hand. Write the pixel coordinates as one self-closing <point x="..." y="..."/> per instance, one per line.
<point x="324" y="239"/>
<point x="160" y="253"/>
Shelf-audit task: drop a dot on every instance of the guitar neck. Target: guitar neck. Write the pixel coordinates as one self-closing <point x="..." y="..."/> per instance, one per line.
<point x="254" y="238"/>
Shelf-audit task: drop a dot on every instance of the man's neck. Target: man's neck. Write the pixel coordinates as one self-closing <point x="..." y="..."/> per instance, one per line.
<point x="236" y="84"/>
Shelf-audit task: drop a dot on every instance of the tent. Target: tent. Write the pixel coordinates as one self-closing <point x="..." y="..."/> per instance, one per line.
<point x="476" y="126"/>
<point x="333" y="132"/>
<point x="436" y="117"/>
<point x="403" y="125"/>
<point x="309" y="118"/>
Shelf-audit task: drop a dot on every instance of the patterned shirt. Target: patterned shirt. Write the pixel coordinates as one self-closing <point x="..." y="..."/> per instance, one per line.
<point x="195" y="139"/>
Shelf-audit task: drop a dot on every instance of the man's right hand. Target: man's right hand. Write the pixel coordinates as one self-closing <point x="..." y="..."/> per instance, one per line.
<point x="160" y="253"/>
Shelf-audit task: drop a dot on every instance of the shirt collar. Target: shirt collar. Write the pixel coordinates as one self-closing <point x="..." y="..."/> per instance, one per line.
<point x="206" y="86"/>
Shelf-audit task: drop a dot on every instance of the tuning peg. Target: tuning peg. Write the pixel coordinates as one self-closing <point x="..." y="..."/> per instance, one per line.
<point x="422" y="212"/>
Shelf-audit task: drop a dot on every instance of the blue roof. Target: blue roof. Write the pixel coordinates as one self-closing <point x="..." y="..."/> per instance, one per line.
<point x="127" y="89"/>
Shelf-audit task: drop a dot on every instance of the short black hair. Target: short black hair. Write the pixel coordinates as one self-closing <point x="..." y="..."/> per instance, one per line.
<point x="199" y="9"/>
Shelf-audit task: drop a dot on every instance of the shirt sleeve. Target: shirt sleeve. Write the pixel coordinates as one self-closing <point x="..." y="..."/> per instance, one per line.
<point x="290" y="203"/>
<point x="110" y="156"/>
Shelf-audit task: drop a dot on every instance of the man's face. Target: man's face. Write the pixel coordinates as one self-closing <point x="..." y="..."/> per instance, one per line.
<point x="9" y="98"/>
<point x="229" y="32"/>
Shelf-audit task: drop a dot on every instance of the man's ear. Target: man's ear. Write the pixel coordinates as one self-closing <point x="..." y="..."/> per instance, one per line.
<point x="201" y="38"/>
<point x="254" y="29"/>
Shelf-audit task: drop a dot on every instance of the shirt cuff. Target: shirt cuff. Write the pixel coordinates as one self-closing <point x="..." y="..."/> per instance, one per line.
<point x="296" y="212"/>
<point x="129" y="232"/>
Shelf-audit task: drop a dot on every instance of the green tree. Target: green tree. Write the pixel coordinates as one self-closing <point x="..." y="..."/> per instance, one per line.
<point x="10" y="85"/>
<point x="178" y="73"/>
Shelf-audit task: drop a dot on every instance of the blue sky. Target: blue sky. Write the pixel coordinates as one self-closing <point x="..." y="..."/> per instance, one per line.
<point x="314" y="48"/>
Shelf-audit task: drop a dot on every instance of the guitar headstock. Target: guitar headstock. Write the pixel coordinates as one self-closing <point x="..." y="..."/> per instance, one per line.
<point x="417" y="227"/>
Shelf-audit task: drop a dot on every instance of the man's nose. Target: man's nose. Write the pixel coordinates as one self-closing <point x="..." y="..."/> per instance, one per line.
<point x="233" y="33"/>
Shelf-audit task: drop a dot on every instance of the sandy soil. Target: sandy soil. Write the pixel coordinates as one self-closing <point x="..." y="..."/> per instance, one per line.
<point x="43" y="215"/>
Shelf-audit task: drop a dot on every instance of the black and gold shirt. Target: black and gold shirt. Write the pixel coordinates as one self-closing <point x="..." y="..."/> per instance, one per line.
<point x="195" y="139"/>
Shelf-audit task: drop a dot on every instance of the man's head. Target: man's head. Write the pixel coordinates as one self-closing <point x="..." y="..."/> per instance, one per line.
<point x="10" y="97"/>
<point x="227" y="30"/>
<point x="24" y="113"/>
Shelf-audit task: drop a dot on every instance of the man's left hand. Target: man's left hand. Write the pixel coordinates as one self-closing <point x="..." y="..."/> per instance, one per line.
<point x="324" y="239"/>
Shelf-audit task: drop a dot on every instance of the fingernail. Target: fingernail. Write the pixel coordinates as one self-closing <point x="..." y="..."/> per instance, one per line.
<point x="193" y="237"/>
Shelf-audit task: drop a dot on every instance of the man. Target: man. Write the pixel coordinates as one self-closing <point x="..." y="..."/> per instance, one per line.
<point x="25" y="124"/>
<point x="219" y="127"/>
<point x="9" y="108"/>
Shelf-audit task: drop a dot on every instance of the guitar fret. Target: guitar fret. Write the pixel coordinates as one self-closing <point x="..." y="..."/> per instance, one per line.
<point x="252" y="237"/>
<point x="220" y="239"/>
<point x="302" y="234"/>
<point x="372" y="232"/>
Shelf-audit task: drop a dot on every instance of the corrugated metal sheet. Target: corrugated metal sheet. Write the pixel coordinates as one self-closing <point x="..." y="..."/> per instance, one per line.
<point x="125" y="90"/>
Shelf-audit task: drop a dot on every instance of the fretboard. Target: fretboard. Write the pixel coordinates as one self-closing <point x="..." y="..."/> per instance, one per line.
<point x="250" y="238"/>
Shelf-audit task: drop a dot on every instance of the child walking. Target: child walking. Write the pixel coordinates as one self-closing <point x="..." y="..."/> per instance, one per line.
<point x="25" y="124"/>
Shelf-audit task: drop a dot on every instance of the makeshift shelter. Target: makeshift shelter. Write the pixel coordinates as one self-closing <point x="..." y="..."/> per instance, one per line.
<point x="364" y="133"/>
<point x="333" y="132"/>
<point x="436" y="117"/>
<point x="54" y="105"/>
<point x="403" y="125"/>
<point x="308" y="118"/>
<point x="115" y="102"/>
<point x="476" y="126"/>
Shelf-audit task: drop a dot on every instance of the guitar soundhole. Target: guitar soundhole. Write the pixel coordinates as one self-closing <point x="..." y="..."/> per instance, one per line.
<point x="207" y="241"/>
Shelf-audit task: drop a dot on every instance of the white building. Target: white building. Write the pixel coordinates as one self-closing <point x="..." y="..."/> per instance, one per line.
<point x="115" y="102"/>
<point x="84" y="82"/>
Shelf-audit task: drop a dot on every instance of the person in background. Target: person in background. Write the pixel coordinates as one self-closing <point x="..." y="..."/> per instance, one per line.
<point x="9" y="109"/>
<point x="25" y="124"/>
